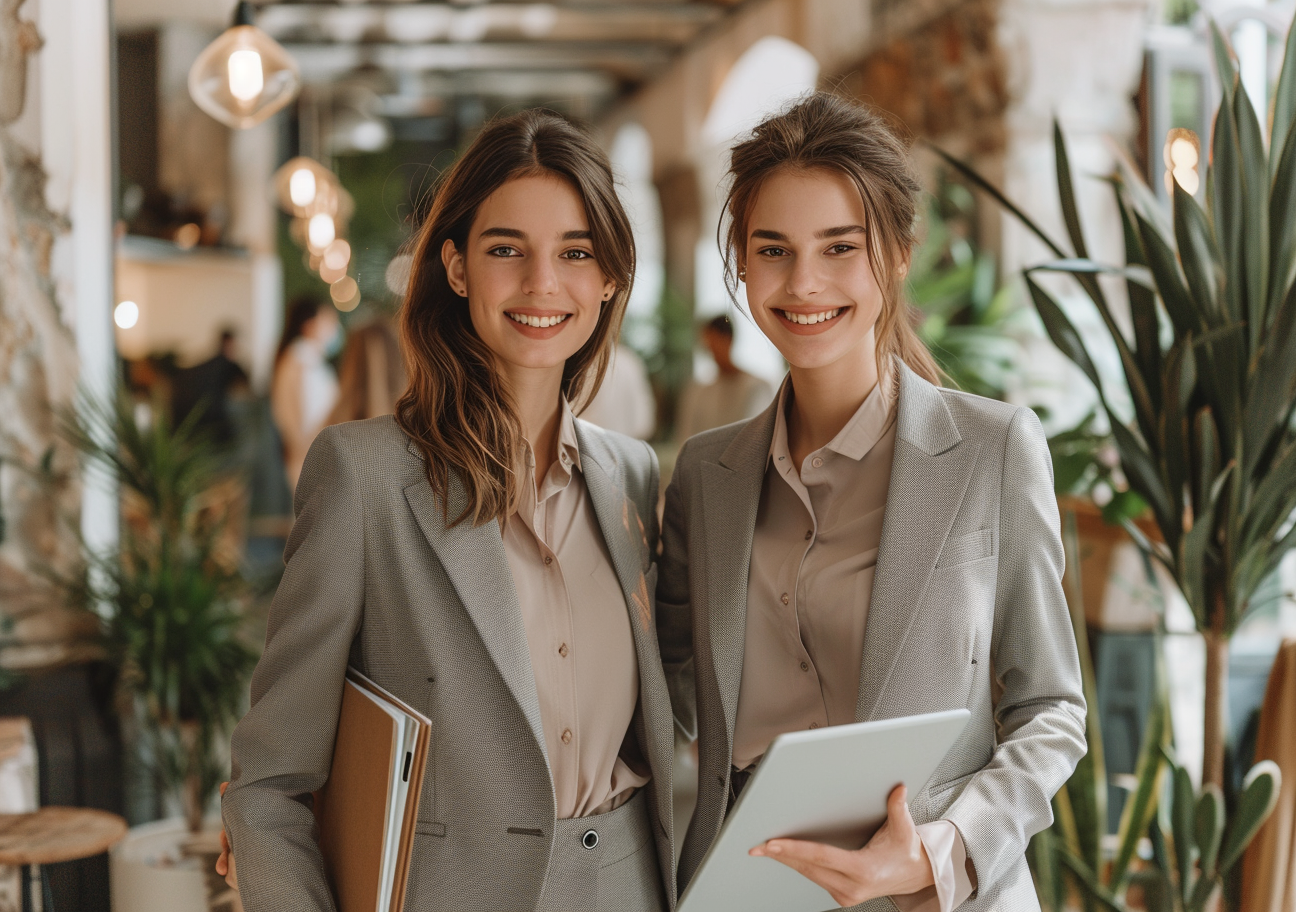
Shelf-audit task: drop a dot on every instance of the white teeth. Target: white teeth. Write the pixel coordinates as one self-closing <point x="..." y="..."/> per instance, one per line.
<point x="807" y="319"/>
<point x="537" y="322"/>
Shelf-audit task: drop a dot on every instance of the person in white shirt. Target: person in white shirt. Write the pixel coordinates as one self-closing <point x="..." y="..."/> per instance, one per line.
<point x="734" y="395"/>
<point x="625" y="402"/>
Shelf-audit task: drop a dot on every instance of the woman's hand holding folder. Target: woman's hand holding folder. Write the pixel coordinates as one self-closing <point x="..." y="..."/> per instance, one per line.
<point x="893" y="863"/>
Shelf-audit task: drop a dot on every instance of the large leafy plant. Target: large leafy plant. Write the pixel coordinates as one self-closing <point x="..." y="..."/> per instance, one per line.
<point x="170" y="597"/>
<point x="1194" y="844"/>
<point x="1210" y="365"/>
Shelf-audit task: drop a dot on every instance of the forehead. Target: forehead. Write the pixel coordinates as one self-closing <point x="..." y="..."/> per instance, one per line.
<point x="537" y="205"/>
<point x="797" y="201"/>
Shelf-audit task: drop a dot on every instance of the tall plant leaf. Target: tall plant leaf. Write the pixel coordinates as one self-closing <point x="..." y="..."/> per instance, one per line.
<point x="1066" y="193"/>
<point x="1226" y="195"/>
<point x="1259" y="797"/>
<point x="1284" y="109"/>
<point x="1208" y="827"/>
<point x="1142" y="302"/>
<point x="1198" y="253"/>
<point x="1254" y="172"/>
<point x="1140" y="806"/>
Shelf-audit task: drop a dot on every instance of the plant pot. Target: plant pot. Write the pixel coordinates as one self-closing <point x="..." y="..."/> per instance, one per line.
<point x="161" y="867"/>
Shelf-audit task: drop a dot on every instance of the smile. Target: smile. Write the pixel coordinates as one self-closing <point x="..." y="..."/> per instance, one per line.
<point x="537" y="322"/>
<point x="808" y="319"/>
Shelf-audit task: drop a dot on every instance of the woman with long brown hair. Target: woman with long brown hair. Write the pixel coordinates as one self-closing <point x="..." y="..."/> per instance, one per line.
<point x="872" y="546"/>
<point x="488" y="558"/>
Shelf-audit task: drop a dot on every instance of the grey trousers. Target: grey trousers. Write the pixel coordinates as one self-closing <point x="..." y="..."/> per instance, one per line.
<point x="605" y="863"/>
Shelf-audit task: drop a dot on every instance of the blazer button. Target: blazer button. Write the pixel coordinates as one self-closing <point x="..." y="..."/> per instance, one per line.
<point x="566" y="736"/>
<point x="590" y="839"/>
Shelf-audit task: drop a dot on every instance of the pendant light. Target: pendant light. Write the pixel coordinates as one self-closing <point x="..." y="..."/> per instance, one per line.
<point x="243" y="76"/>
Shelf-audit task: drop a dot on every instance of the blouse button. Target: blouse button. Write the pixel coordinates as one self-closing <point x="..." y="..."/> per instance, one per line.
<point x="805" y="666"/>
<point x="784" y="598"/>
<point x="817" y="462"/>
<point x="809" y="534"/>
<point x="548" y="561"/>
<point x="566" y="736"/>
<point x="562" y="650"/>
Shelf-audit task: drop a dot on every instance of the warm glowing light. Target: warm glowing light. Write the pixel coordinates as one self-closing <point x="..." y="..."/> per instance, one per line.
<point x="301" y="187"/>
<point x="345" y="293"/>
<point x="1181" y="157"/>
<point x="246" y="77"/>
<point x="320" y="231"/>
<point x="337" y="255"/>
<point x="331" y="274"/>
<point x="126" y="314"/>
<point x="398" y="273"/>
<point x="188" y="235"/>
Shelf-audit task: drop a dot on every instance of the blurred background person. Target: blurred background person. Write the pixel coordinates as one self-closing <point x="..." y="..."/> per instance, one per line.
<point x="734" y="395"/>
<point x="209" y="385"/>
<point x="305" y="387"/>
<point x="625" y="402"/>
<point x="371" y="374"/>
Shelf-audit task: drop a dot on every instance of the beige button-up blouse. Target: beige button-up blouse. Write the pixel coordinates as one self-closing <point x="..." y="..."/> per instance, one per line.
<point x="818" y="530"/>
<point x="578" y="631"/>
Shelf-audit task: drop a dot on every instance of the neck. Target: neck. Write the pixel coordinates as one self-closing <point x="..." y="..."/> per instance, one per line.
<point x="826" y="397"/>
<point x="537" y="395"/>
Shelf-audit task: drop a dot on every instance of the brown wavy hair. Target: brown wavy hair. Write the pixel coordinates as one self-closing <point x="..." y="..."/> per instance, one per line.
<point x="826" y="132"/>
<point x="457" y="409"/>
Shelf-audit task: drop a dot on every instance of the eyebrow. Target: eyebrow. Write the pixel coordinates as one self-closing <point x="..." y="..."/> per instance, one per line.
<point x="578" y="235"/>
<point x="765" y="234"/>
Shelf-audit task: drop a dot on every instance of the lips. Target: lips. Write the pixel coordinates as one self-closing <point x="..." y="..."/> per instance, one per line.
<point x="537" y="322"/>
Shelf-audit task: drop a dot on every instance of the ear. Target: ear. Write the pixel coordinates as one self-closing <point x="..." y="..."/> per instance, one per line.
<point x="453" y="261"/>
<point x="609" y="289"/>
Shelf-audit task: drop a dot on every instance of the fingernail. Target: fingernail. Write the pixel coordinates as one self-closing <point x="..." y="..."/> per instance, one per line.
<point x="773" y="848"/>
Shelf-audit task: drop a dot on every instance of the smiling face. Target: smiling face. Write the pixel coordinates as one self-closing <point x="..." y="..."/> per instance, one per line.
<point x="810" y="282"/>
<point x="529" y="272"/>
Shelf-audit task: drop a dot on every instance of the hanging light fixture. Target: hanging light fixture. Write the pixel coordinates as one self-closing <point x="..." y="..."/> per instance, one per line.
<point x="243" y="76"/>
<point x="305" y="187"/>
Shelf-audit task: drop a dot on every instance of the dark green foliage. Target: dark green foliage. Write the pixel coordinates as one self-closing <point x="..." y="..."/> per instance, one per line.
<point x="170" y="599"/>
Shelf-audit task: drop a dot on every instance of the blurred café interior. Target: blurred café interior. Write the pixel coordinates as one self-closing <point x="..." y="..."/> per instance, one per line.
<point x="204" y="215"/>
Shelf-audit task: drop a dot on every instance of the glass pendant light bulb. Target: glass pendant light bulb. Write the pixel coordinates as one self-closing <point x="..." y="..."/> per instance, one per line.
<point x="320" y="232"/>
<point x="304" y="187"/>
<point x="243" y="76"/>
<point x="301" y="187"/>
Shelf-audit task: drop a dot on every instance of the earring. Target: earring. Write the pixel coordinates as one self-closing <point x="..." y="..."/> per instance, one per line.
<point x="742" y="275"/>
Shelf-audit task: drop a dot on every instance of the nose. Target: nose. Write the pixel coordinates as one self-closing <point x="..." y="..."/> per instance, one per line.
<point x="541" y="278"/>
<point x="804" y="280"/>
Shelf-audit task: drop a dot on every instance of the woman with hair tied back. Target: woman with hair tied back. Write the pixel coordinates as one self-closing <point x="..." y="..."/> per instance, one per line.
<point x="871" y="546"/>
<point x="488" y="558"/>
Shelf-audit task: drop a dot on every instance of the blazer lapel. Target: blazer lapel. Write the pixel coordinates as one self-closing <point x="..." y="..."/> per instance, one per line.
<point x="731" y="490"/>
<point x="475" y="560"/>
<point x="929" y="477"/>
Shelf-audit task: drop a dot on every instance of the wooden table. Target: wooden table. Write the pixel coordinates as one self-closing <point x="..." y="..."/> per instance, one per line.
<point x="52" y="835"/>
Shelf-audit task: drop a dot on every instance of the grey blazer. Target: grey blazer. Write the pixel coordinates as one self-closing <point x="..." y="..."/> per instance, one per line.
<point x="374" y="578"/>
<point x="967" y="596"/>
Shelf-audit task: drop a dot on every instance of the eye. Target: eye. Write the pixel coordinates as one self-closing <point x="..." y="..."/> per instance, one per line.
<point x="772" y="252"/>
<point x="842" y="248"/>
<point x="577" y="254"/>
<point x="504" y="252"/>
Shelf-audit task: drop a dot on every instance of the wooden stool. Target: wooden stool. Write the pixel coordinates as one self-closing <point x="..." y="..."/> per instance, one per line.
<point x="52" y="835"/>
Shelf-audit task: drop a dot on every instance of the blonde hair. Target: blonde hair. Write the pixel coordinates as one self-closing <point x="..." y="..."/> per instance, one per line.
<point x="826" y="132"/>
<point x="457" y="409"/>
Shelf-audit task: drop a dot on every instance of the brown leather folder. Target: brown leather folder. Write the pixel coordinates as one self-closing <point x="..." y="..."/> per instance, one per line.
<point x="352" y="808"/>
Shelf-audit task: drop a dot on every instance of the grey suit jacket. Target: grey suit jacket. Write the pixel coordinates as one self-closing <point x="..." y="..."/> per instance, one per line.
<point x="967" y="591"/>
<point x="374" y="578"/>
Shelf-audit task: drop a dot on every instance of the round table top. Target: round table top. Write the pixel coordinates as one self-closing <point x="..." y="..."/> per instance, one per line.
<point x="54" y="834"/>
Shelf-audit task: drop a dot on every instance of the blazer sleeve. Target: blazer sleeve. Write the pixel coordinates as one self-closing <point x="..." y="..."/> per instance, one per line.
<point x="674" y="610"/>
<point x="282" y="749"/>
<point x="1041" y="713"/>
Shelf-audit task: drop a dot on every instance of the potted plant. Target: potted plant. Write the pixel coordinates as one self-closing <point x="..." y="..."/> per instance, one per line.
<point x="170" y="600"/>
<point x="1212" y="446"/>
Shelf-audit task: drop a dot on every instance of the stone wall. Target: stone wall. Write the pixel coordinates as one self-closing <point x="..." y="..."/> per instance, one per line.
<point x="944" y="81"/>
<point x="39" y="487"/>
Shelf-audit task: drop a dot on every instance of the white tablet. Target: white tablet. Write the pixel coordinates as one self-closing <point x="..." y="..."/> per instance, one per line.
<point x="830" y="785"/>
